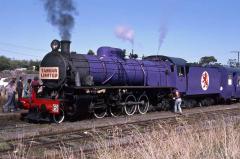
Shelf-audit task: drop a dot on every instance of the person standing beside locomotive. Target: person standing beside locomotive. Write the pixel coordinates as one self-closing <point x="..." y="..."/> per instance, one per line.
<point x="27" y="88"/>
<point x="35" y="84"/>
<point x="20" y="88"/>
<point x="178" y="102"/>
<point x="10" y="90"/>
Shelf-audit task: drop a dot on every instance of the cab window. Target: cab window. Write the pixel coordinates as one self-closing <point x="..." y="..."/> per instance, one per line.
<point x="238" y="81"/>
<point x="180" y="71"/>
<point x="230" y="80"/>
<point x="172" y="68"/>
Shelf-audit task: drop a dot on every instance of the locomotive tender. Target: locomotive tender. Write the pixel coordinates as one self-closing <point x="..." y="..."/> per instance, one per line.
<point x="108" y="83"/>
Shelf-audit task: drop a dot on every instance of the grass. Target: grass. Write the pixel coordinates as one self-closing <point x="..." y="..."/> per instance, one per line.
<point x="218" y="140"/>
<point x="215" y="139"/>
<point x="4" y="146"/>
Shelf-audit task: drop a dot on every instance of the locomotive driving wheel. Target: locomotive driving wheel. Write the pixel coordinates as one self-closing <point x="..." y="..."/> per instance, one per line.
<point x="130" y="108"/>
<point x="58" y="118"/>
<point x="144" y="106"/>
<point x="99" y="112"/>
<point x="115" y="111"/>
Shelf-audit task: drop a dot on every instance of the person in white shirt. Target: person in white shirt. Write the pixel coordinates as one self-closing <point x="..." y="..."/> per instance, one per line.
<point x="178" y="102"/>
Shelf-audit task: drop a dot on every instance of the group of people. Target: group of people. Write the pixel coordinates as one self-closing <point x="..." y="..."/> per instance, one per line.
<point x="21" y="89"/>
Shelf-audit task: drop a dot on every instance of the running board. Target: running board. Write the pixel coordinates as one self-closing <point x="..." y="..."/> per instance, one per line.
<point x="37" y="117"/>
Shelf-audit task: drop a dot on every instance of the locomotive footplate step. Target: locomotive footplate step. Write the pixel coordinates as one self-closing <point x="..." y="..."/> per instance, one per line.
<point x="37" y="117"/>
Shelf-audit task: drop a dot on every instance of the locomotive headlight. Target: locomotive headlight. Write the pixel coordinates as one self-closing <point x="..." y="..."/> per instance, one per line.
<point x="55" y="45"/>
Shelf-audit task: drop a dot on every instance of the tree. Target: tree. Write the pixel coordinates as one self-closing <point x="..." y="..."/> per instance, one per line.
<point x="206" y="60"/>
<point x="4" y="63"/>
<point x="10" y="64"/>
<point x="33" y="63"/>
<point x="90" y="52"/>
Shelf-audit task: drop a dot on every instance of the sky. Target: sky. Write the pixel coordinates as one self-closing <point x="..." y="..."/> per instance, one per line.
<point x="193" y="28"/>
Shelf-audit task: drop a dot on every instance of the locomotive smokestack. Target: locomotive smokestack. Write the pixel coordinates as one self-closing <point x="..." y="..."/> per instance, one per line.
<point x="65" y="46"/>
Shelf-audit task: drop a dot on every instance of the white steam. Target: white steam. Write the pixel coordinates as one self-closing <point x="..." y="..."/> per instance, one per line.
<point x="163" y="30"/>
<point x="125" y="33"/>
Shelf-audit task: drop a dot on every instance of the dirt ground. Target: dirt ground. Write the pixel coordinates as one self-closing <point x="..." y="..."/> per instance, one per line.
<point x="3" y="98"/>
<point x="2" y="101"/>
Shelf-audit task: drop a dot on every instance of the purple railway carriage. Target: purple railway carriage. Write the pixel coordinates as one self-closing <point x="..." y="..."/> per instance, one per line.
<point x="236" y="81"/>
<point x="230" y="83"/>
<point x="203" y="85"/>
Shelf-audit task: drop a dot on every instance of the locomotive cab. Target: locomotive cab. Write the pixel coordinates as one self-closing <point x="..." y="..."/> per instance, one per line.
<point x="176" y="77"/>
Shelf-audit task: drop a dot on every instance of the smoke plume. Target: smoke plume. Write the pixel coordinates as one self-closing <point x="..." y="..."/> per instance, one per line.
<point x="60" y="13"/>
<point x="162" y="34"/>
<point x="125" y="33"/>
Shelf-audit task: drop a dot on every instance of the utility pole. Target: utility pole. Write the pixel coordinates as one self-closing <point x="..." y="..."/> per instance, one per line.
<point x="237" y="52"/>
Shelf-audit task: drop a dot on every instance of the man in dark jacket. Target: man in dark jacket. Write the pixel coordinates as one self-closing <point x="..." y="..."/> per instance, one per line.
<point x="19" y="87"/>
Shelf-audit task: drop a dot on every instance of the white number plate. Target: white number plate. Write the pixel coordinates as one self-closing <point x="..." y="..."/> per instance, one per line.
<point x="55" y="108"/>
<point x="49" y="73"/>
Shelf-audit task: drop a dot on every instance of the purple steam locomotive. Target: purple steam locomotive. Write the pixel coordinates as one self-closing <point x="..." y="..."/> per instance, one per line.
<point x="110" y="84"/>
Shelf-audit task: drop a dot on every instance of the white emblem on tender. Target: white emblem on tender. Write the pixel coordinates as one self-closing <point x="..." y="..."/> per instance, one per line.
<point x="205" y="80"/>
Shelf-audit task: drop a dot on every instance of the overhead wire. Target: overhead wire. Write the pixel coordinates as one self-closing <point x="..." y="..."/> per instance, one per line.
<point x="6" y="44"/>
<point x="15" y="46"/>
<point x="21" y="46"/>
<point x="19" y="53"/>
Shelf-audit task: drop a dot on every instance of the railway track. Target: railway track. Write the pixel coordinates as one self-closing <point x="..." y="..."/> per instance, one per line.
<point x="85" y="137"/>
<point x="15" y="126"/>
<point x="14" y="122"/>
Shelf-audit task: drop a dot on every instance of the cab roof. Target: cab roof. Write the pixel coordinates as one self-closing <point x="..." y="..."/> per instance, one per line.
<point x="174" y="60"/>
